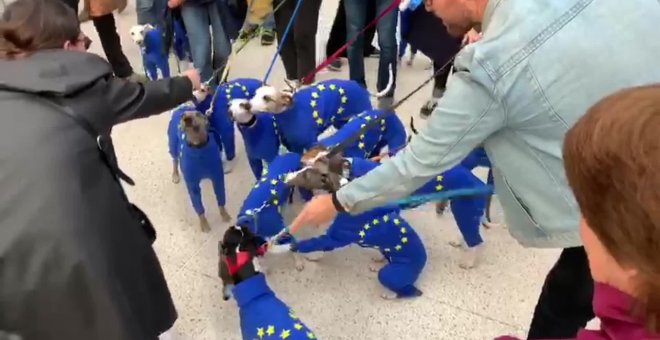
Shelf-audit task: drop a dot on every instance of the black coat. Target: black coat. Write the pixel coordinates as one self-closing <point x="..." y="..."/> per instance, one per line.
<point x="74" y="263"/>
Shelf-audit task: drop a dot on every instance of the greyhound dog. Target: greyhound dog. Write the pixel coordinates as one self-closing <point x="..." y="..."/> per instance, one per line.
<point x="319" y="172"/>
<point x="152" y="47"/>
<point x="302" y="115"/>
<point x="236" y="240"/>
<point x="197" y="153"/>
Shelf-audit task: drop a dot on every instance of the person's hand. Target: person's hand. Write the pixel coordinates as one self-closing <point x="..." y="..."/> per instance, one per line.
<point x="471" y="36"/>
<point x="194" y="77"/>
<point x="318" y="211"/>
<point x="174" y="3"/>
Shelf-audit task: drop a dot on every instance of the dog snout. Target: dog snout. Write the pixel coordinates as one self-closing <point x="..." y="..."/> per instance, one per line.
<point x="187" y="120"/>
<point x="246" y="106"/>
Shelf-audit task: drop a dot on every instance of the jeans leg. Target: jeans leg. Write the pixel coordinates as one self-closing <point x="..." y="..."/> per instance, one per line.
<point x="304" y="35"/>
<point x="221" y="44"/>
<point x="288" y="51"/>
<point x="356" y="17"/>
<point x="196" y="20"/>
<point x="269" y="23"/>
<point x="105" y="27"/>
<point x="386" y="28"/>
<point x="565" y="302"/>
<point x="145" y="12"/>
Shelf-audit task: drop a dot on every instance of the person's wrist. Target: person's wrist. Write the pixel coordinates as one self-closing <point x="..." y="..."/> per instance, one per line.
<point x="337" y="204"/>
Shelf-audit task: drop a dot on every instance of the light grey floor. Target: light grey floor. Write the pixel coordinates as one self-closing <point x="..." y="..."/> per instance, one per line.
<point x="337" y="297"/>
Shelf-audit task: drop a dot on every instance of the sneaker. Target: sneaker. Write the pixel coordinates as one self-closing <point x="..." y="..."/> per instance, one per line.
<point x="247" y="33"/>
<point x="335" y="65"/>
<point x="267" y="37"/>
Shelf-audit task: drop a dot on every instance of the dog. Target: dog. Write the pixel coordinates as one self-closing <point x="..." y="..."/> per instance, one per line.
<point x="152" y="47"/>
<point x="390" y="134"/>
<point x="302" y="115"/>
<point x="382" y="228"/>
<point x="181" y="44"/>
<point x="262" y="209"/>
<point x="320" y="172"/>
<point x="238" y="239"/>
<point x="195" y="150"/>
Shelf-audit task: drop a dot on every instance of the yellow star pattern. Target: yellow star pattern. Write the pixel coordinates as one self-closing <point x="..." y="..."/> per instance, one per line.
<point x="362" y="233"/>
<point x="273" y="181"/>
<point x="228" y="90"/>
<point x="321" y="87"/>
<point x="398" y="247"/>
<point x="344" y="99"/>
<point x="315" y="95"/>
<point x="375" y="221"/>
<point x="386" y="218"/>
<point x="285" y="334"/>
<point x="315" y="114"/>
<point x="367" y="226"/>
<point x="438" y="187"/>
<point x="397" y="221"/>
<point x="439" y="178"/>
<point x="260" y="332"/>
<point x="276" y="202"/>
<point x="270" y="331"/>
<point x="403" y="230"/>
<point x="341" y="90"/>
<point x="367" y="118"/>
<point x="263" y="179"/>
<point x="310" y="335"/>
<point x="340" y="110"/>
<point x="333" y="87"/>
<point x="312" y="103"/>
<point x="404" y="240"/>
<point x="319" y="121"/>
<point x="298" y="326"/>
<point x="362" y="136"/>
<point x="273" y="192"/>
<point x="293" y="315"/>
<point x="361" y="145"/>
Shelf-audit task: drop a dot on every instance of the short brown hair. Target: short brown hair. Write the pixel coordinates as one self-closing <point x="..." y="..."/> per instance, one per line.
<point x="612" y="161"/>
<point x="31" y="25"/>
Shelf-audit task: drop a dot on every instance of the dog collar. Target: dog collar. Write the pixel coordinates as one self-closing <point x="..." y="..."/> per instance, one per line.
<point x="242" y="258"/>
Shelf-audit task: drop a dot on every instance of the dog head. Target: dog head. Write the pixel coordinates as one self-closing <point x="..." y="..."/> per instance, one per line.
<point x="240" y="110"/>
<point x="238" y="253"/>
<point x="320" y="172"/>
<point x="203" y="93"/>
<point x="138" y="32"/>
<point x="196" y="127"/>
<point x="269" y="99"/>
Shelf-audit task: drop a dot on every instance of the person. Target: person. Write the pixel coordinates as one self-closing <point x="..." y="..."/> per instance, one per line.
<point x="613" y="178"/>
<point x="151" y="12"/>
<point x="100" y="12"/>
<point x="337" y="37"/>
<point x="356" y="15"/>
<point x="298" y="52"/>
<point x="77" y="260"/>
<point x="261" y="12"/>
<point x="210" y="49"/>
<point x="517" y="91"/>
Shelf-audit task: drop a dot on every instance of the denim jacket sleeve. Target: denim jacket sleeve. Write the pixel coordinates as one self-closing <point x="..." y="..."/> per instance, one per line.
<point x="466" y="115"/>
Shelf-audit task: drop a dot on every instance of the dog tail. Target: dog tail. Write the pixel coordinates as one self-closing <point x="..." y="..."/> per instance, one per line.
<point x="387" y="88"/>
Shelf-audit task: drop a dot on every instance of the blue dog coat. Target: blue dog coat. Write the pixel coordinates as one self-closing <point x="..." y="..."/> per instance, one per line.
<point x="382" y="229"/>
<point x="390" y="133"/>
<point x="270" y="189"/>
<point x="261" y="143"/>
<point x="154" y="55"/>
<point x="316" y="108"/>
<point x="264" y="316"/>
<point x="196" y="163"/>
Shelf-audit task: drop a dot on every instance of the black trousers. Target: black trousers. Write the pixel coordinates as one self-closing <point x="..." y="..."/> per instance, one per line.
<point x="299" y="50"/>
<point x="73" y="4"/>
<point x="565" y="304"/>
<point x="440" y="79"/>
<point x="107" y="30"/>
<point x="338" y="32"/>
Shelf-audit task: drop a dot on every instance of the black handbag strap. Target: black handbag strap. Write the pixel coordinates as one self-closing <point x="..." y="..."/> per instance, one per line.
<point x="103" y="141"/>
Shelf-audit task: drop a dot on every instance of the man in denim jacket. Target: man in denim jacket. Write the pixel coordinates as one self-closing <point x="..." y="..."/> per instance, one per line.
<point x="538" y="67"/>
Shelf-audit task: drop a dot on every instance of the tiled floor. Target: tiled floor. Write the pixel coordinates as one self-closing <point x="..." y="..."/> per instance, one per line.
<point x="337" y="297"/>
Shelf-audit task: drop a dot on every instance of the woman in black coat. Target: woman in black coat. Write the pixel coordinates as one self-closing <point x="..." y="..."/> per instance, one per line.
<point x="338" y="33"/>
<point x="76" y="260"/>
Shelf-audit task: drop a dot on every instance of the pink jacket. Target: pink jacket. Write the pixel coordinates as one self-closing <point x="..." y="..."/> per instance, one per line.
<point x="612" y="307"/>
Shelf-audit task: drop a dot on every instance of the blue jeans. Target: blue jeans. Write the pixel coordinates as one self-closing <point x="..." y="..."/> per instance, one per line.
<point x="197" y="19"/>
<point x="269" y="23"/>
<point x="151" y="12"/>
<point x="356" y="19"/>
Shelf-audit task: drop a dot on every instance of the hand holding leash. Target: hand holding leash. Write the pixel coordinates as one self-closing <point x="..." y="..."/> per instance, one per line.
<point x="194" y="77"/>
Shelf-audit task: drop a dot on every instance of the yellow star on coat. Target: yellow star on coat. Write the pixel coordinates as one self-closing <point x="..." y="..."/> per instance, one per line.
<point x="270" y="331"/>
<point x="333" y="87"/>
<point x="321" y="87"/>
<point x="285" y="334"/>
<point x="260" y="332"/>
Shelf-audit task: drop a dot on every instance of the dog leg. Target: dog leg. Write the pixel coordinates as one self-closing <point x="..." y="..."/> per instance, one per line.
<point x="204" y="224"/>
<point x="298" y="261"/>
<point x="470" y="257"/>
<point x="224" y="214"/>
<point x="387" y="294"/>
<point x="176" y="178"/>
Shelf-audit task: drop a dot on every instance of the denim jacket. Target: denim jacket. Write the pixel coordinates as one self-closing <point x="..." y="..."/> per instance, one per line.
<point x="539" y="66"/>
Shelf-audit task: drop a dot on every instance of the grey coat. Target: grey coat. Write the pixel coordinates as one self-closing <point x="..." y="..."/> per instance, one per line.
<point x="74" y="263"/>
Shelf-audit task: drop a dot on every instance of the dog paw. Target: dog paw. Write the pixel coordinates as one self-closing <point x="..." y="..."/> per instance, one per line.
<point x="300" y="264"/>
<point x="374" y="267"/>
<point x="491" y="225"/>
<point x="378" y="259"/>
<point x="204" y="226"/>
<point x="458" y="243"/>
<point x="389" y="295"/>
<point x="313" y="257"/>
<point x="224" y="215"/>
<point x="176" y="178"/>
<point x="470" y="258"/>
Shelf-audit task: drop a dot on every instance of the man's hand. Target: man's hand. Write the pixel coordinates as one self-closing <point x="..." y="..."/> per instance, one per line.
<point x="193" y="75"/>
<point x="318" y="211"/>
<point x="174" y="3"/>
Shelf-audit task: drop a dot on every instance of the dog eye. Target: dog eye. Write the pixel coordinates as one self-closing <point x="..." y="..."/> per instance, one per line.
<point x="268" y="99"/>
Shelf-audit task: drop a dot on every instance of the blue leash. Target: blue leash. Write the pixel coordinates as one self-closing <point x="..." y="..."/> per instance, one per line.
<point x="284" y="36"/>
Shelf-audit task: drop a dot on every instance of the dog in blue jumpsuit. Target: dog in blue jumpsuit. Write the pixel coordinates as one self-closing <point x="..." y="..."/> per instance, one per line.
<point x="302" y="116"/>
<point x="195" y="150"/>
<point x="390" y="133"/>
<point x="262" y="314"/>
<point x="152" y="48"/>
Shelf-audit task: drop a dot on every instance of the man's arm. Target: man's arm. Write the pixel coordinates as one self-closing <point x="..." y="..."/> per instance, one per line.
<point x="466" y="115"/>
<point x="131" y="100"/>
